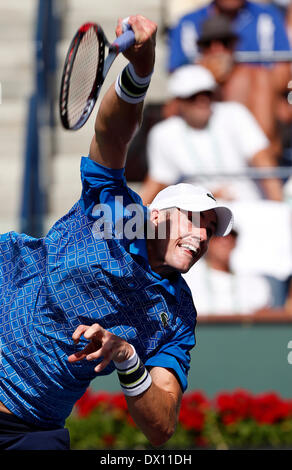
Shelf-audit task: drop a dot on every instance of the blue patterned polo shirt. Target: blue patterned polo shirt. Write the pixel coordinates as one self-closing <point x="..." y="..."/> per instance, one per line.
<point x="74" y="276"/>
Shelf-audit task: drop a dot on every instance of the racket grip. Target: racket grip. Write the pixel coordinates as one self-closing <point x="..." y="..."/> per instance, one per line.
<point x="123" y="42"/>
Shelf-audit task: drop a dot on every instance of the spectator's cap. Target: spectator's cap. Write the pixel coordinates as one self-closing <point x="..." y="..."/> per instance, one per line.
<point x="216" y="27"/>
<point x="195" y="199"/>
<point x="189" y="80"/>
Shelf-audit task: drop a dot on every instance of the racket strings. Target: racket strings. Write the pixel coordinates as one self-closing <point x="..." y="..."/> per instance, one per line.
<point x="83" y="76"/>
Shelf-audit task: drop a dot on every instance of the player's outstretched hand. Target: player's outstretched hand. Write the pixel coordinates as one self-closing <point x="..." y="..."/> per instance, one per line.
<point x="102" y="344"/>
<point x="142" y="53"/>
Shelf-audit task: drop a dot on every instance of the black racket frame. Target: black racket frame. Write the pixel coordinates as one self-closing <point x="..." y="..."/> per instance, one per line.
<point x="67" y="71"/>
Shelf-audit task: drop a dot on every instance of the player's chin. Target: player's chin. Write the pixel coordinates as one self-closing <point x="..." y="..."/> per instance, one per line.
<point x="184" y="265"/>
<point x="185" y="269"/>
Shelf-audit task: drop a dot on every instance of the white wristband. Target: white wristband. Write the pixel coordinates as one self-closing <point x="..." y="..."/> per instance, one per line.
<point x="128" y="362"/>
<point x="130" y="87"/>
<point x="133" y="375"/>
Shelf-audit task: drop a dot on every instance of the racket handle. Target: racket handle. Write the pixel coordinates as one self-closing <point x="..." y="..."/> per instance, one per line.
<point x="123" y="42"/>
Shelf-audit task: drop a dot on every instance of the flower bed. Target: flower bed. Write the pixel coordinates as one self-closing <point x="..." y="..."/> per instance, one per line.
<point x="235" y="419"/>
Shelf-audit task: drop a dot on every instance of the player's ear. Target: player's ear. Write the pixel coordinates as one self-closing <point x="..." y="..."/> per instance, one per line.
<point x="154" y="217"/>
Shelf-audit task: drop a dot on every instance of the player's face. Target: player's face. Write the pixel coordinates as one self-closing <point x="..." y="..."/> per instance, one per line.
<point x="187" y="238"/>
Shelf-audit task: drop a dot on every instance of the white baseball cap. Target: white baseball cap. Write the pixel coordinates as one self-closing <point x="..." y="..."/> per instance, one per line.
<point x="188" y="80"/>
<point x="195" y="199"/>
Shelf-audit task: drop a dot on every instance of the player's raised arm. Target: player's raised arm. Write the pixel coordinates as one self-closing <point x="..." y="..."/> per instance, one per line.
<point x="120" y="111"/>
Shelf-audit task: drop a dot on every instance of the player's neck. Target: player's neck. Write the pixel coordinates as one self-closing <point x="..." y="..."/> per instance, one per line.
<point x="157" y="265"/>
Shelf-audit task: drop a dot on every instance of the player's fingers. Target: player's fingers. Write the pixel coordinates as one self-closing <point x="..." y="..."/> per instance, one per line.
<point x="94" y="331"/>
<point x="78" y="356"/>
<point x="79" y="332"/>
<point x="102" y="365"/>
<point x="119" y="28"/>
<point x="143" y="28"/>
<point x="105" y="351"/>
<point x="85" y="352"/>
<point x="94" y="355"/>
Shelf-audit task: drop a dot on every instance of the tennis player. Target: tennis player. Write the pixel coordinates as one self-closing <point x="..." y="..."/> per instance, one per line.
<point x="104" y="285"/>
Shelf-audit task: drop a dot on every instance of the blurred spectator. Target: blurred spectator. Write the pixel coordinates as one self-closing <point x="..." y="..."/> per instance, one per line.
<point x="216" y="45"/>
<point x="264" y="246"/>
<point x="288" y="303"/>
<point x="173" y="10"/>
<point x="217" y="290"/>
<point x="288" y="13"/>
<point x="283" y="117"/>
<point x="251" y="86"/>
<point x="207" y="137"/>
<point x="259" y="27"/>
<point x="283" y="108"/>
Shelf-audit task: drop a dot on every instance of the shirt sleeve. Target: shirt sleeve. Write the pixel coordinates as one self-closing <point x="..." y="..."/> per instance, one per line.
<point x="175" y="355"/>
<point x="97" y="181"/>
<point x="101" y="185"/>
<point x="249" y="136"/>
<point x="161" y="166"/>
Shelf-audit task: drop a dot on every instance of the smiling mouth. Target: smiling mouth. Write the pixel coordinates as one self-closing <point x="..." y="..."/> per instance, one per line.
<point x="193" y="250"/>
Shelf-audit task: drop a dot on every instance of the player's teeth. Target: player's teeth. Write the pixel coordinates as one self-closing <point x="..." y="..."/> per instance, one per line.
<point x="189" y="247"/>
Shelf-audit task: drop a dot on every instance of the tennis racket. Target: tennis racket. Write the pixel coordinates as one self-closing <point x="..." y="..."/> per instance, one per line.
<point x="85" y="70"/>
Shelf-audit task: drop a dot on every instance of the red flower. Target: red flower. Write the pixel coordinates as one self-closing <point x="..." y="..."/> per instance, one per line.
<point x="233" y="406"/>
<point x="108" y="440"/>
<point x="201" y="441"/>
<point x="229" y="418"/>
<point x="118" y="401"/>
<point x="89" y="401"/>
<point x="192" y="412"/>
<point x="194" y="420"/>
<point x="269" y="408"/>
<point x="130" y="421"/>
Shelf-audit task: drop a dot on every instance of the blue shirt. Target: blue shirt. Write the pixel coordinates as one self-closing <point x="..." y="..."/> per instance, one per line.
<point x="259" y="27"/>
<point x="74" y="276"/>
